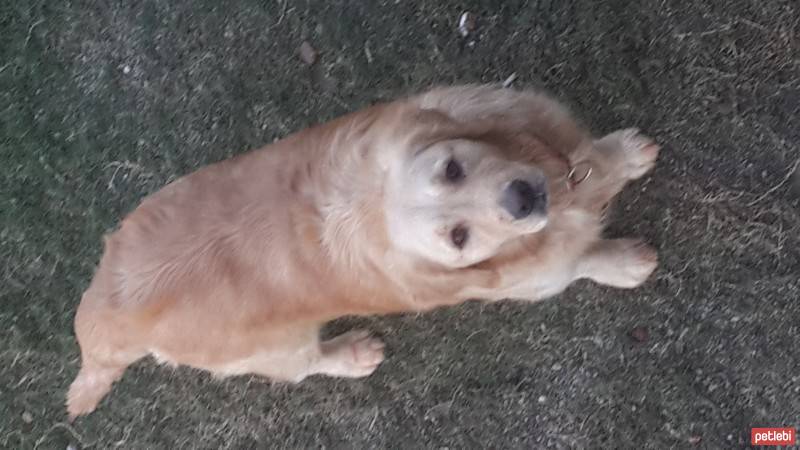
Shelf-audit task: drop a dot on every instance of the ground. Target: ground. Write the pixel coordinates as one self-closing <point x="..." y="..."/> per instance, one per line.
<point x="104" y="102"/>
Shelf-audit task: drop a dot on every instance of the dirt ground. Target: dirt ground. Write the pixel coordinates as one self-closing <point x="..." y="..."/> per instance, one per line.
<point x="104" y="102"/>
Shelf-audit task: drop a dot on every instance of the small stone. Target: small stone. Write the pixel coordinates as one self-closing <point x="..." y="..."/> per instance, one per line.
<point x="467" y="23"/>
<point x="542" y="399"/>
<point x="694" y="440"/>
<point x="640" y="334"/>
<point x="368" y="52"/>
<point x="27" y="417"/>
<point x="725" y="108"/>
<point x="126" y="70"/>
<point x="307" y="53"/>
<point x="556" y="366"/>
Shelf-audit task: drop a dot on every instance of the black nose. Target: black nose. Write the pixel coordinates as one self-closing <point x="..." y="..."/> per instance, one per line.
<point x="521" y="199"/>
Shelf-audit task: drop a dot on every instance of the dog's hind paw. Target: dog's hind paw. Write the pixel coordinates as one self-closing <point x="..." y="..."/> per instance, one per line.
<point x="353" y="354"/>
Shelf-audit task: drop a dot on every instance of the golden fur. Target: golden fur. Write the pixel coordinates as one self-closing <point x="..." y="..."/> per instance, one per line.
<point x="235" y="267"/>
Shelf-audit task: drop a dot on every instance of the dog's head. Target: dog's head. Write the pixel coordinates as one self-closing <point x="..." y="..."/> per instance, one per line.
<point x="454" y="196"/>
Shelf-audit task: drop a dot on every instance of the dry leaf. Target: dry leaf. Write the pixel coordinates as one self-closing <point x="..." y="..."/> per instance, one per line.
<point x="467" y="23"/>
<point x="307" y="53"/>
<point x="640" y="334"/>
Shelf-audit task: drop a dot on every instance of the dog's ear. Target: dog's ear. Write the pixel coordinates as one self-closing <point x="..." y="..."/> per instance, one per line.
<point x="410" y="128"/>
<point x="435" y="286"/>
<point x="460" y="284"/>
<point x="430" y="126"/>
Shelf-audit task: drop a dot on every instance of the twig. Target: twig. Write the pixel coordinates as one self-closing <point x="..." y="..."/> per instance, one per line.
<point x="69" y="429"/>
<point x="30" y="31"/>
<point x="510" y="80"/>
<point x="752" y="24"/>
<point x="777" y="186"/>
<point x="283" y="12"/>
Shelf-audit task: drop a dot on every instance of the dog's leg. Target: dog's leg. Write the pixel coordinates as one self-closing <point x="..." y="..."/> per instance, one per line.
<point x="622" y="263"/>
<point x="353" y="354"/>
<point x="616" y="159"/>
<point x="626" y="154"/>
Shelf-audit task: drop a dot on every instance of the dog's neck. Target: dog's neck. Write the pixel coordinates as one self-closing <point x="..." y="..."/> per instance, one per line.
<point x="339" y="184"/>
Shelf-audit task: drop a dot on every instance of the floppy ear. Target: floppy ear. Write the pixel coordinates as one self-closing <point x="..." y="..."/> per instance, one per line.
<point x="413" y="128"/>
<point x="432" y="125"/>
<point x="517" y="144"/>
<point x="454" y="286"/>
<point x="511" y="110"/>
<point x="433" y="285"/>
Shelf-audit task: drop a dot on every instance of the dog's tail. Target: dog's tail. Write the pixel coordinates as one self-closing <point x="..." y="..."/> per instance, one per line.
<point x="90" y="386"/>
<point x="103" y="358"/>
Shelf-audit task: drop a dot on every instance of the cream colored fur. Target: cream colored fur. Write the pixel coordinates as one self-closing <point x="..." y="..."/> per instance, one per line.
<point x="235" y="267"/>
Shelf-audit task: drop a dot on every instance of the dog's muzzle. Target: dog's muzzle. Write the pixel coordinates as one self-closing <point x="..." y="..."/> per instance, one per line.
<point x="522" y="199"/>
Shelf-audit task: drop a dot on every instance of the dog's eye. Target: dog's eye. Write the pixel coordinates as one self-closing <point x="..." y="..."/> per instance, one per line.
<point x="459" y="236"/>
<point x="453" y="172"/>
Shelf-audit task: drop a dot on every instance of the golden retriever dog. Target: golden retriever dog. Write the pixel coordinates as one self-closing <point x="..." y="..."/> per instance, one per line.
<point x="461" y="193"/>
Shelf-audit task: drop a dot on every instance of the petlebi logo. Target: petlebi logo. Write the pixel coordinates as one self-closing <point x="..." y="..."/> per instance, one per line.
<point x="773" y="436"/>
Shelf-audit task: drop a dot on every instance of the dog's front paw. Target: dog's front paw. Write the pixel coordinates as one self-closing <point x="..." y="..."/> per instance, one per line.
<point x="640" y="152"/>
<point x="622" y="263"/>
<point x="635" y="260"/>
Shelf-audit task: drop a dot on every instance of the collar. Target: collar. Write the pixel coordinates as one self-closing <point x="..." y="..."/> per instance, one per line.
<point x="575" y="173"/>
